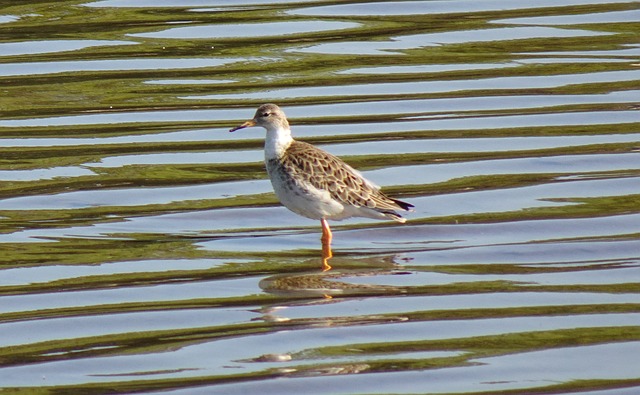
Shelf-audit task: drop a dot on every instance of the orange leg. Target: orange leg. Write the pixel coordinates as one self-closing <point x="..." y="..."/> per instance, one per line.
<point x="326" y="245"/>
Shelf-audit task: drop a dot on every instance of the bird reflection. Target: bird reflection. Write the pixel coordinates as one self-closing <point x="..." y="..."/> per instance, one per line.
<point x="323" y="287"/>
<point x="326" y="254"/>
<point x="314" y="288"/>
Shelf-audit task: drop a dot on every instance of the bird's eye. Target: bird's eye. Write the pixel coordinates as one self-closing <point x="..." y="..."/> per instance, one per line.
<point x="265" y="114"/>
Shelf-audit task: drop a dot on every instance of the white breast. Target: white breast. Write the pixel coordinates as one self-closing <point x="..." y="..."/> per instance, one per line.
<point x="276" y="143"/>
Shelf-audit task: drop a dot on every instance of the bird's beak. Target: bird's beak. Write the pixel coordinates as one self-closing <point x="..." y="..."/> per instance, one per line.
<point x="247" y="124"/>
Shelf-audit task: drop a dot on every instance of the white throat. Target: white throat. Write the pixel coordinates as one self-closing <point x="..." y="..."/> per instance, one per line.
<point x="276" y="142"/>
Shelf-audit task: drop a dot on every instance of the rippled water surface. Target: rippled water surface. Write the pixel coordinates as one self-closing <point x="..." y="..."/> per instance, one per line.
<point x="143" y="250"/>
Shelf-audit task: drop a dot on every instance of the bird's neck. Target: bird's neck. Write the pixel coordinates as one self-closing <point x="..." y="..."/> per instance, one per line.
<point x="277" y="142"/>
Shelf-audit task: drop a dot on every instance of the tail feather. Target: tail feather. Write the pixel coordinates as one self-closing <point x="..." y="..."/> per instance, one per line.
<point x="397" y="217"/>
<point x="394" y="216"/>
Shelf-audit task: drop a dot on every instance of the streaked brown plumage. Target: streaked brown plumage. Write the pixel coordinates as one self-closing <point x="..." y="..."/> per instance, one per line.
<point x="306" y="164"/>
<point x="314" y="183"/>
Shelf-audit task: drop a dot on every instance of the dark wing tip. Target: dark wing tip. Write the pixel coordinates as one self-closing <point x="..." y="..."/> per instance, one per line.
<point x="403" y="205"/>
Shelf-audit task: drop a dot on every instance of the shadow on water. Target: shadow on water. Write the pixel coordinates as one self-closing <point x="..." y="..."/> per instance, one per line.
<point x="143" y="249"/>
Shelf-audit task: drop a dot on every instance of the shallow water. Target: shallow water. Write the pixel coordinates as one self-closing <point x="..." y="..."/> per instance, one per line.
<point x="144" y="251"/>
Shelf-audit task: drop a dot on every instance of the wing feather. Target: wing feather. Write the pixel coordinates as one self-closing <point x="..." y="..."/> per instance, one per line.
<point x="329" y="173"/>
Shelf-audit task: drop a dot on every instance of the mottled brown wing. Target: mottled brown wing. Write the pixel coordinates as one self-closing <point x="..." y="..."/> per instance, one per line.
<point x="328" y="172"/>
